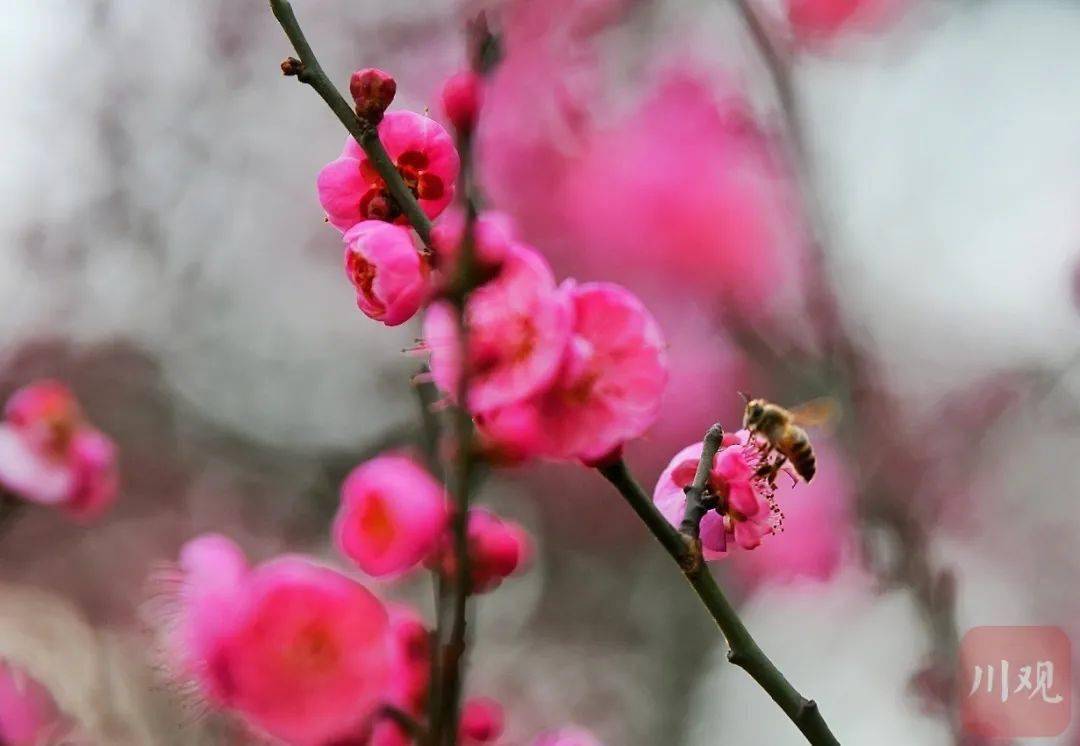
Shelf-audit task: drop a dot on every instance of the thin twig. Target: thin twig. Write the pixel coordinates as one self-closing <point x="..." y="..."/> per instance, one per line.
<point x="743" y="651"/>
<point x="696" y="503"/>
<point x="310" y="72"/>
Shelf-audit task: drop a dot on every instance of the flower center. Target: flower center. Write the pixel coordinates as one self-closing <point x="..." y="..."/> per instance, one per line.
<point x="313" y="648"/>
<point x="376" y="523"/>
<point x="377" y="202"/>
<point x="362" y="275"/>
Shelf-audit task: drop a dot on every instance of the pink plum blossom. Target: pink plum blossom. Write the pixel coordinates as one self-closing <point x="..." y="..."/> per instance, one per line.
<point x="745" y="512"/>
<point x="607" y="390"/>
<point x="391" y="517"/>
<point x="50" y="454"/>
<point x="493" y="234"/>
<point x="817" y="528"/>
<point x="410" y="666"/>
<point x="715" y="214"/>
<point x="497" y="549"/>
<point x="567" y="737"/>
<point x="462" y="96"/>
<point x="482" y="720"/>
<point x="351" y="190"/>
<point x="519" y="324"/>
<point x="299" y="651"/>
<point x="389" y="274"/>
<point x="28" y="713"/>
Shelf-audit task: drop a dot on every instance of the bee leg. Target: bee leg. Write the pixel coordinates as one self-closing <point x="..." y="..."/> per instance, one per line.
<point x="777" y="466"/>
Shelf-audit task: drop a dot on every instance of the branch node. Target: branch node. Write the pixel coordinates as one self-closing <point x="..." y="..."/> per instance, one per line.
<point x="737" y="658"/>
<point x="691" y="560"/>
<point x="807" y="709"/>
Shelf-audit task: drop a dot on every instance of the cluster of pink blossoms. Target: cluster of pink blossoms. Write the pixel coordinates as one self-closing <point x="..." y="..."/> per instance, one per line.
<point x="560" y="371"/>
<point x="306" y="654"/>
<point x="50" y="454"/>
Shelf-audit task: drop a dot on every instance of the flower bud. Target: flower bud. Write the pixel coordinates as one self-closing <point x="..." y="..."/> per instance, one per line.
<point x="481" y="720"/>
<point x="462" y="96"/>
<point x="372" y="90"/>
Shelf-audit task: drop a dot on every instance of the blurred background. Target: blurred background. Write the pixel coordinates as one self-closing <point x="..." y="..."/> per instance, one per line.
<point x="890" y="221"/>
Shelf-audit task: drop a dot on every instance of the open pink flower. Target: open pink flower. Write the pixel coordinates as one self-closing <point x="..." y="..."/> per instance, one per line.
<point x="391" y="517"/>
<point x="745" y="512"/>
<point x="351" y="190"/>
<point x="299" y="651"/>
<point x="28" y="713"/>
<point x="817" y="527"/>
<point x="607" y="389"/>
<point x="497" y="549"/>
<point x="49" y="454"/>
<point x="519" y="324"/>
<point x="390" y="276"/>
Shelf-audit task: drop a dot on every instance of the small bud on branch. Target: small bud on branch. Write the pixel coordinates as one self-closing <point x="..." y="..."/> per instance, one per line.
<point x="373" y="91"/>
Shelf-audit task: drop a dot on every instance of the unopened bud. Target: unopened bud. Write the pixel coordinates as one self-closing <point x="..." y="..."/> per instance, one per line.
<point x="481" y="720"/>
<point x="372" y="90"/>
<point x="462" y="96"/>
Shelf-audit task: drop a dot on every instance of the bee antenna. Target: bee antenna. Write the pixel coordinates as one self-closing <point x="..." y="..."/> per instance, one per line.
<point x="745" y="397"/>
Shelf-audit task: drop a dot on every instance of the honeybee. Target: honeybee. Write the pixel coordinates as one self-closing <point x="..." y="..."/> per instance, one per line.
<point x="782" y="430"/>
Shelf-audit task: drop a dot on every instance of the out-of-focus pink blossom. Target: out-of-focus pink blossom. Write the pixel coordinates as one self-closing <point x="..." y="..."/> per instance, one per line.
<point x="351" y="190"/>
<point x="493" y="235"/>
<point x="497" y="549"/>
<point x="462" y="97"/>
<point x="49" y="454"/>
<point x="519" y="324"/>
<point x="607" y="390"/>
<point x="482" y="720"/>
<point x="817" y="528"/>
<point x="685" y="189"/>
<point x="299" y="651"/>
<point x="28" y="714"/>
<point x="410" y="665"/>
<point x="745" y="513"/>
<point x="390" y="276"/>
<point x="567" y="737"/>
<point x="821" y="20"/>
<point x="373" y="90"/>
<point x="391" y="517"/>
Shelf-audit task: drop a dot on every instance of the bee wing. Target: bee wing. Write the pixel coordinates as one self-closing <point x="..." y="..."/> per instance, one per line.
<point x="816" y="412"/>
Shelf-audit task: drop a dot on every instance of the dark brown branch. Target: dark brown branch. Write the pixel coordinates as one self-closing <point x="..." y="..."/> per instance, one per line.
<point x="310" y="72"/>
<point x="403" y="720"/>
